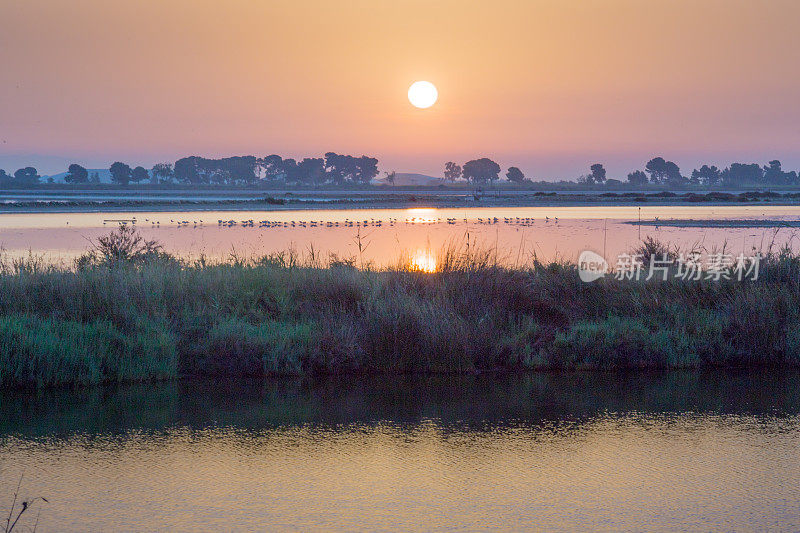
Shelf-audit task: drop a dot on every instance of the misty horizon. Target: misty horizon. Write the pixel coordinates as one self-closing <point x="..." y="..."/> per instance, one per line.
<point x="545" y="87"/>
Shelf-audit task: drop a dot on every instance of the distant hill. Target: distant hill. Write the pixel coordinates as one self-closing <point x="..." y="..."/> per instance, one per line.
<point x="103" y="173"/>
<point x="407" y="178"/>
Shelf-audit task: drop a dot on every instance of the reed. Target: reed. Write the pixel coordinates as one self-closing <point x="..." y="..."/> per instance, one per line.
<point x="117" y="316"/>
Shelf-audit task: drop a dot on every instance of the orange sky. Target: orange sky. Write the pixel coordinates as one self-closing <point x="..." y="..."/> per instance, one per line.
<point x="551" y="86"/>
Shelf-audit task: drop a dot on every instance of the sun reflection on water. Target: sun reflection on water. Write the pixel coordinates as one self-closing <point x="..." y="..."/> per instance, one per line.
<point x="424" y="261"/>
<point x="421" y="215"/>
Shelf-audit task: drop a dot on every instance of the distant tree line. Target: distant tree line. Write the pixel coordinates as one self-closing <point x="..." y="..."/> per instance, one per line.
<point x="480" y="172"/>
<point x="338" y="169"/>
<point x="659" y="171"/>
<point x="335" y="169"/>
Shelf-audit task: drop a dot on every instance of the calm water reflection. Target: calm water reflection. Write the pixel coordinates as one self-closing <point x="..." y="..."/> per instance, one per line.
<point x="563" y="452"/>
<point x="418" y="232"/>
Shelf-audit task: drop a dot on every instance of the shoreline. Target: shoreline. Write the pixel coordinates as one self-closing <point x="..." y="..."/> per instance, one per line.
<point x="444" y="200"/>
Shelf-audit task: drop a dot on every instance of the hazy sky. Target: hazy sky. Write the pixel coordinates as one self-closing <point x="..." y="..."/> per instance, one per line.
<point x="550" y="86"/>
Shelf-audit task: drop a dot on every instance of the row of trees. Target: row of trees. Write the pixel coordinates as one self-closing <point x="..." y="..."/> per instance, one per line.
<point x="659" y="171"/>
<point x="481" y="171"/>
<point x="339" y="169"/>
<point x="334" y="169"/>
<point x="244" y="170"/>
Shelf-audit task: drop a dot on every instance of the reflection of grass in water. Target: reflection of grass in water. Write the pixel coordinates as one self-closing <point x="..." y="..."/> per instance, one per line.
<point x="13" y="520"/>
<point x="152" y="316"/>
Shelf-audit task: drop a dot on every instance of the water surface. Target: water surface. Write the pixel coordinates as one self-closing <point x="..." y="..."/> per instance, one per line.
<point x="681" y="450"/>
<point x="388" y="235"/>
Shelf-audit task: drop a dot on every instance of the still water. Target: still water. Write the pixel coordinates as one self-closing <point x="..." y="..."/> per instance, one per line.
<point x="676" y="451"/>
<point x="385" y="236"/>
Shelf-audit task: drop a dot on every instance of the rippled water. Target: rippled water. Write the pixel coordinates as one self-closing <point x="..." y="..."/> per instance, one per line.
<point x="682" y="450"/>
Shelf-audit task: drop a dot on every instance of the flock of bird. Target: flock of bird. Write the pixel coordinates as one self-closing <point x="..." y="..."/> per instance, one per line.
<point x="347" y="223"/>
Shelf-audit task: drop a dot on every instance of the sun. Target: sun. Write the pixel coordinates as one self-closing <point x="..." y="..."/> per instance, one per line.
<point x="422" y="94"/>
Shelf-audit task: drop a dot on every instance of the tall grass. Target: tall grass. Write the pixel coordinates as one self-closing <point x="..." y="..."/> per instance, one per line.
<point x="152" y="316"/>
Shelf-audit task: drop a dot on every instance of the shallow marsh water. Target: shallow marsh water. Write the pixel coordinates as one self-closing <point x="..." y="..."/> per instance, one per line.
<point x="414" y="232"/>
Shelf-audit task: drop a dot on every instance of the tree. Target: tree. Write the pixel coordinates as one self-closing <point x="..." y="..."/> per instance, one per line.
<point x="452" y="171"/>
<point x="272" y="165"/>
<point x="139" y="174"/>
<point x="4" y="177"/>
<point x="673" y="176"/>
<point x="76" y="174"/>
<point x="598" y="173"/>
<point x="312" y="170"/>
<point x="481" y="170"/>
<point x="186" y="170"/>
<point x="656" y="168"/>
<point x="366" y="169"/>
<point x="26" y="176"/>
<point x="290" y="170"/>
<point x="120" y="173"/>
<point x="706" y="175"/>
<point x="774" y="174"/>
<point x="664" y="172"/>
<point x="515" y="175"/>
<point x="740" y="174"/>
<point x="94" y="178"/>
<point x="637" y="178"/>
<point x="162" y="172"/>
<point x="390" y="177"/>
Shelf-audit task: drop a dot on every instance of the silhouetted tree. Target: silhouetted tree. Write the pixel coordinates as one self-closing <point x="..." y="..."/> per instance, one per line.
<point x="312" y="170"/>
<point x="94" y="178"/>
<point x="26" y="176"/>
<point x="739" y="174"/>
<point x="706" y="175"/>
<point x="366" y="169"/>
<point x="120" y="173"/>
<point x="291" y="175"/>
<point x="76" y="174"/>
<point x="390" y="177"/>
<point x="4" y="177"/>
<point x="452" y="171"/>
<point x="664" y="172"/>
<point x="637" y="178"/>
<point x="515" y="175"/>
<point x="139" y="174"/>
<point x="657" y="169"/>
<point x="162" y="172"/>
<point x="272" y="165"/>
<point x="481" y="170"/>
<point x="674" y="177"/>
<point x="598" y="173"/>
<point x="774" y="174"/>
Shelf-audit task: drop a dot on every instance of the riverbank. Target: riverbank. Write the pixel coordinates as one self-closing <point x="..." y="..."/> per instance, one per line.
<point x="128" y="201"/>
<point x="131" y="312"/>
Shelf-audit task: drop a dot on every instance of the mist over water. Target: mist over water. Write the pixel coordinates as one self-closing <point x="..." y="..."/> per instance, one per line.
<point x="680" y="450"/>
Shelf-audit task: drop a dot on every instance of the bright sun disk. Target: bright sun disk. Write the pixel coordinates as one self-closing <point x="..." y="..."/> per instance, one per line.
<point x="422" y="94"/>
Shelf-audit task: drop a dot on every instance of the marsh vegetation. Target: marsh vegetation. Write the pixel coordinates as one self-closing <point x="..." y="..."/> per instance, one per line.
<point x="129" y="311"/>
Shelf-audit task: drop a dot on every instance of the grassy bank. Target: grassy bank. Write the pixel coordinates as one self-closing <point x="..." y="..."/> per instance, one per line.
<point x="127" y="311"/>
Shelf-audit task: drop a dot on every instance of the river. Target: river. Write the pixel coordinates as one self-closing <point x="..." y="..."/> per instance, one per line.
<point x="561" y="452"/>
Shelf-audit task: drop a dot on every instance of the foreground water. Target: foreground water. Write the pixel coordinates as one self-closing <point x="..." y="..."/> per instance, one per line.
<point x="681" y="450"/>
<point x="384" y="236"/>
